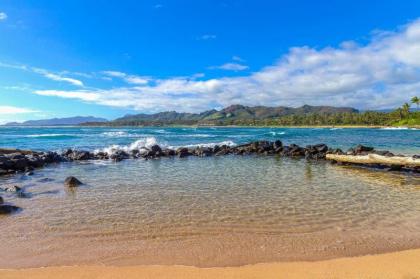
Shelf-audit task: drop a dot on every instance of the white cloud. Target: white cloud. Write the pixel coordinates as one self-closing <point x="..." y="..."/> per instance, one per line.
<point x="136" y="80"/>
<point x="15" y="110"/>
<point x="45" y="73"/>
<point x="114" y="74"/>
<point x="3" y="16"/>
<point x="133" y="79"/>
<point x="231" y="67"/>
<point x="60" y="78"/>
<point x="381" y="74"/>
<point x="82" y="95"/>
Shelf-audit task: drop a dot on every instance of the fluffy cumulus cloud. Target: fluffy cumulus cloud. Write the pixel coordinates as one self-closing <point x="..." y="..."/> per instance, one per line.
<point x="381" y="74"/>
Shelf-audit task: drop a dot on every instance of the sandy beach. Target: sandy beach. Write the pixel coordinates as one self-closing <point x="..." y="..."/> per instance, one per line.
<point x="404" y="264"/>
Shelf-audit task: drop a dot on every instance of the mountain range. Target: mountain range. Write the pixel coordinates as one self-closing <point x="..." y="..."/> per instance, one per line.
<point x="229" y="114"/>
<point x="77" y="120"/>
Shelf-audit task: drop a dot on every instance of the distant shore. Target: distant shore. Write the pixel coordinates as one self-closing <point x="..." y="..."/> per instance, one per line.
<point x="226" y="126"/>
<point x="402" y="264"/>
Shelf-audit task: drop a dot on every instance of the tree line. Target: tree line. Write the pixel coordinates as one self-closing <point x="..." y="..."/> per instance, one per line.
<point x="400" y="116"/>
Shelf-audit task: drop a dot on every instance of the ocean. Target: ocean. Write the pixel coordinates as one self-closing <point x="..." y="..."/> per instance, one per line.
<point x="404" y="140"/>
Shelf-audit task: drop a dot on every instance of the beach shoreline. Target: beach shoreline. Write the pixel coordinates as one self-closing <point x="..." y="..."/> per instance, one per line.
<point x="403" y="264"/>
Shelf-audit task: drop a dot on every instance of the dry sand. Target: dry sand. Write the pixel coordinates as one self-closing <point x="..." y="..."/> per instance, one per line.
<point x="405" y="264"/>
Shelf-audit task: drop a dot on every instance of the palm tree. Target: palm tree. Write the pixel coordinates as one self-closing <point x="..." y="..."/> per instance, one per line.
<point x="406" y="109"/>
<point x="400" y="113"/>
<point x="416" y="100"/>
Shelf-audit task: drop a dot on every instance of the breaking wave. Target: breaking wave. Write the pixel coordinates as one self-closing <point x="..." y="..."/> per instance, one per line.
<point x="137" y="145"/>
<point x="150" y="141"/>
<point x="115" y="134"/>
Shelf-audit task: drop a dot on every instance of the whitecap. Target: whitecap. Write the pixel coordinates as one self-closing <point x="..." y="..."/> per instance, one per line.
<point x="48" y="135"/>
<point x="277" y="133"/>
<point x="394" y="128"/>
<point x="161" y="131"/>
<point x="208" y="144"/>
<point x="115" y="134"/>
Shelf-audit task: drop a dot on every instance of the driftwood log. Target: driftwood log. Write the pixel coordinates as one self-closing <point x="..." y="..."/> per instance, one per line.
<point x="375" y="159"/>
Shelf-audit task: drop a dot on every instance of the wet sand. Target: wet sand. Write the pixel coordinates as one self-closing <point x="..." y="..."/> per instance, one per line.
<point x="403" y="264"/>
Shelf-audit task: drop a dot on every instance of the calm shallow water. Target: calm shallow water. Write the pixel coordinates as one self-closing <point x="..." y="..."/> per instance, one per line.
<point x="218" y="211"/>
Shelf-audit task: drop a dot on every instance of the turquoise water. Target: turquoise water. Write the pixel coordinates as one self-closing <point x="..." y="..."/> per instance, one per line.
<point x="58" y="138"/>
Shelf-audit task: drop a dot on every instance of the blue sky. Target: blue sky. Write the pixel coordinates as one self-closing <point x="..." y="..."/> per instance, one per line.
<point x="66" y="58"/>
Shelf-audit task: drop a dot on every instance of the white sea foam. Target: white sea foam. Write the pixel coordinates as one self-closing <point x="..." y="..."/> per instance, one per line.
<point x="277" y="133"/>
<point x="161" y="131"/>
<point x="137" y="145"/>
<point x="115" y="134"/>
<point x="47" y="135"/>
<point x="395" y="128"/>
<point x="148" y="142"/>
<point x="209" y="144"/>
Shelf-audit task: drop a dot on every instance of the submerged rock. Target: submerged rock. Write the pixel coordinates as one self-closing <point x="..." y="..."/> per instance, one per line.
<point x="45" y="179"/>
<point x="16" y="190"/>
<point x="8" y="209"/>
<point x="72" y="181"/>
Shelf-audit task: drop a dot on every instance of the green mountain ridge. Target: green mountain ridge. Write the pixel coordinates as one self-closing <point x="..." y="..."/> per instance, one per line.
<point x="227" y="115"/>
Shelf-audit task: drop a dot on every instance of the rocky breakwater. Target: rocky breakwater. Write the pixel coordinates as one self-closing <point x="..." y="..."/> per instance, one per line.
<point x="26" y="161"/>
<point x="15" y="160"/>
<point x="316" y="152"/>
<point x="310" y="152"/>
